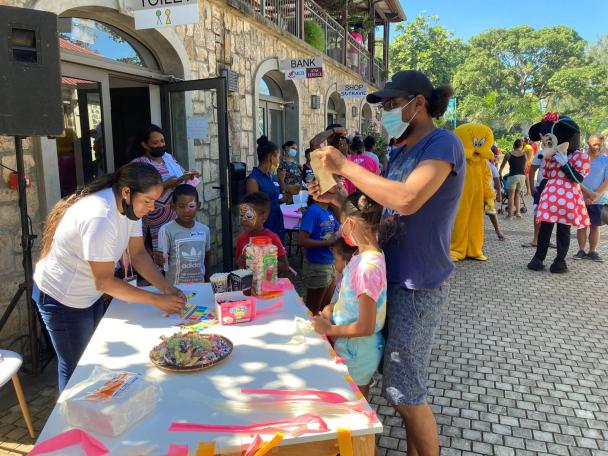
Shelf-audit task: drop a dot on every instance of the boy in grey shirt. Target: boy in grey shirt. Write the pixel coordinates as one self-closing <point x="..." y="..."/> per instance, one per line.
<point x="185" y="243"/>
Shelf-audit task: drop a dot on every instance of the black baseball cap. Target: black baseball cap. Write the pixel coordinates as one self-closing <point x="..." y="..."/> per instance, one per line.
<point x="409" y="82"/>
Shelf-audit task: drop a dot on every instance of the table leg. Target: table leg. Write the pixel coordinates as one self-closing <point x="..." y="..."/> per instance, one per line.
<point x="23" y="405"/>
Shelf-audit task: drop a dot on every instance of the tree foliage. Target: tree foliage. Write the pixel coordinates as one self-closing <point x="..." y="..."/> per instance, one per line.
<point x="507" y="78"/>
<point x="426" y="47"/>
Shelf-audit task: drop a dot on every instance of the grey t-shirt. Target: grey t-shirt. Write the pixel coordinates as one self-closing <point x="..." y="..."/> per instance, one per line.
<point x="184" y="250"/>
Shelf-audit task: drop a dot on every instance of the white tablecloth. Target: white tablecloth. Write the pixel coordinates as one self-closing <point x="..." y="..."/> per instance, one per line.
<point x="268" y="353"/>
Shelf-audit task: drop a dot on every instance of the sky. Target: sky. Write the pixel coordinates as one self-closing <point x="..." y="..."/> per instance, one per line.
<point x="469" y="17"/>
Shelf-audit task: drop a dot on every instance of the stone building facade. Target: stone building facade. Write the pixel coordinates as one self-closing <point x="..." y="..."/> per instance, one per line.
<point x="229" y="35"/>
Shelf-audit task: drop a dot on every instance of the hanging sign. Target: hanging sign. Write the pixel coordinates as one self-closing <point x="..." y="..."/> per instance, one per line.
<point x="314" y="73"/>
<point x="164" y="13"/>
<point x="291" y="75"/>
<point x="352" y="90"/>
<point x="303" y="63"/>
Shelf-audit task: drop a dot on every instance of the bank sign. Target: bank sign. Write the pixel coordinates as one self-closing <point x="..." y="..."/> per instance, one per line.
<point x="304" y="68"/>
<point x="163" y="13"/>
<point x="352" y="90"/>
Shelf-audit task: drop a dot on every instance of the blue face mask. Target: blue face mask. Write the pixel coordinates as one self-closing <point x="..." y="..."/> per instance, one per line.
<point x="392" y="122"/>
<point x="293" y="153"/>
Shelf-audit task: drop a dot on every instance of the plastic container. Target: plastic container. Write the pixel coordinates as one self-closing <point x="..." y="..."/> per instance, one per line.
<point x="234" y="308"/>
<point x="262" y="260"/>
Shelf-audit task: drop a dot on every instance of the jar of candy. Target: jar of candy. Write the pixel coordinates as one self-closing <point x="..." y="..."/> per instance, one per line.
<point x="262" y="260"/>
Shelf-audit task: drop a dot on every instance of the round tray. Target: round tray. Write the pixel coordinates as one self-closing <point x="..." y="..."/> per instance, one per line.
<point x="196" y="368"/>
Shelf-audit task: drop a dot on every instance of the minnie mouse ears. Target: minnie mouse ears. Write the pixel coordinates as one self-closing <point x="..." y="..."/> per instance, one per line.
<point x="563" y="127"/>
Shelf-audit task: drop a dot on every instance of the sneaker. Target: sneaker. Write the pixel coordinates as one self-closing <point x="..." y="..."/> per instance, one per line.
<point x="580" y="255"/>
<point x="595" y="257"/>
<point x="518" y="215"/>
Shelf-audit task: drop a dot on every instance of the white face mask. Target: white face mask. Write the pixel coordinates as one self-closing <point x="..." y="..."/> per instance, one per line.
<point x="392" y="122"/>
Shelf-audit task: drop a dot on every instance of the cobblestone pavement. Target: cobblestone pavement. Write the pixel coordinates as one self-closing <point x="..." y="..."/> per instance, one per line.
<point x="520" y="366"/>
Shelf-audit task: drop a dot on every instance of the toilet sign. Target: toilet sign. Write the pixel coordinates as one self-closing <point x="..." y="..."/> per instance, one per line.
<point x="163" y="13"/>
<point x="352" y="90"/>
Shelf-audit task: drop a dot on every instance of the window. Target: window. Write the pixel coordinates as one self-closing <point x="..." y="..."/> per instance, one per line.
<point x="89" y="37"/>
<point x="269" y="88"/>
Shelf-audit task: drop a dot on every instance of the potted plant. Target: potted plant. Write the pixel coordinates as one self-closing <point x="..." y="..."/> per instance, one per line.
<point x="313" y="35"/>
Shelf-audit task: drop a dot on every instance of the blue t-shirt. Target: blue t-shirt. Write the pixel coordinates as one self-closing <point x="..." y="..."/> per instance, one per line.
<point x="417" y="246"/>
<point x="320" y="224"/>
<point x="597" y="175"/>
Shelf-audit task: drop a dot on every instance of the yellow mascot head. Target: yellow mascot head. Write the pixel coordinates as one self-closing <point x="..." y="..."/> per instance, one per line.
<point x="477" y="140"/>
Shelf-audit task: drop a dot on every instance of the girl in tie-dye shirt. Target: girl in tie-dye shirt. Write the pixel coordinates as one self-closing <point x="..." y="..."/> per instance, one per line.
<point x="355" y="321"/>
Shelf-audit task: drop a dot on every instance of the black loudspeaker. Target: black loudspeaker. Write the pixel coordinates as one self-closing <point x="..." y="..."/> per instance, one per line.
<point x="30" y="76"/>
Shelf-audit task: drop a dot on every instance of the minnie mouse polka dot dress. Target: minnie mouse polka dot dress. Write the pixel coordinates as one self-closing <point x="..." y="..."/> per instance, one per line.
<point x="562" y="200"/>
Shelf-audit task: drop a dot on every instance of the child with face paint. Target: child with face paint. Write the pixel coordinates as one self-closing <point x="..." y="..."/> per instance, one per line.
<point x="185" y="243"/>
<point x="254" y="210"/>
<point x="357" y="318"/>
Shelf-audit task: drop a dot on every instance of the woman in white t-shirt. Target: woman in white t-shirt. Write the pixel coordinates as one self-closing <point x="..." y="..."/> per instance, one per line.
<point x="84" y="236"/>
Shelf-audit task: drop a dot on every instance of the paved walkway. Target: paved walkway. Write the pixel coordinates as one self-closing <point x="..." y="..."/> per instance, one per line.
<point x="520" y="367"/>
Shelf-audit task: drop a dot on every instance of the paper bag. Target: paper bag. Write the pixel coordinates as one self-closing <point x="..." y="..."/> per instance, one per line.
<point x="325" y="178"/>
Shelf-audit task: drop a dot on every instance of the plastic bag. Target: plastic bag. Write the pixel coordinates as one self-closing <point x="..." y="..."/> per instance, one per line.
<point x="110" y="402"/>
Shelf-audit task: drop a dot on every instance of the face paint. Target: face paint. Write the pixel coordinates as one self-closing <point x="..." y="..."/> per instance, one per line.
<point x="248" y="214"/>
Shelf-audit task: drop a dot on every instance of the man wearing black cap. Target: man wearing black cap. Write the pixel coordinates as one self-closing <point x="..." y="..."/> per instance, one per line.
<point x="420" y="193"/>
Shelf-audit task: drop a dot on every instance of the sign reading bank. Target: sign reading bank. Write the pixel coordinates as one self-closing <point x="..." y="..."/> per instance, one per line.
<point x="304" y="68"/>
<point x="163" y="13"/>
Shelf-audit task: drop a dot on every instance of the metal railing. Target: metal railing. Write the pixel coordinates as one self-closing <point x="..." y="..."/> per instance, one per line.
<point x="286" y="15"/>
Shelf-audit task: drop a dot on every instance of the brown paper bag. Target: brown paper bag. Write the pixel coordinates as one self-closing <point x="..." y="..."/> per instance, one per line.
<point x="326" y="180"/>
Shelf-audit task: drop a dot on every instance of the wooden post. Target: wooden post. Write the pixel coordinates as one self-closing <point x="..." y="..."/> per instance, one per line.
<point x="345" y="25"/>
<point x="300" y="19"/>
<point x="385" y="46"/>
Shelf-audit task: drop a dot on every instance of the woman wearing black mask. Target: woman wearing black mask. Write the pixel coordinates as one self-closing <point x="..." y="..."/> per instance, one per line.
<point x="84" y="235"/>
<point x="152" y="150"/>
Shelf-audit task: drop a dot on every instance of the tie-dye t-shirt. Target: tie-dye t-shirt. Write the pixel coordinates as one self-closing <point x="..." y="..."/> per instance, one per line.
<point x="365" y="273"/>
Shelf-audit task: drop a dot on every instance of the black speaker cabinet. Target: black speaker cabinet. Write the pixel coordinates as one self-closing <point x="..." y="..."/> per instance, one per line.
<point x="30" y="77"/>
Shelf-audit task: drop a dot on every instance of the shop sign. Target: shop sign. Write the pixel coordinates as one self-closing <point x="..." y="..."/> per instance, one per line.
<point x="303" y="63"/>
<point x="164" y="13"/>
<point x="352" y="90"/>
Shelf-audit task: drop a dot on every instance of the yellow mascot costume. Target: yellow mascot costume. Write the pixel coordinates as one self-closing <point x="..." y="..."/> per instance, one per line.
<point x="467" y="236"/>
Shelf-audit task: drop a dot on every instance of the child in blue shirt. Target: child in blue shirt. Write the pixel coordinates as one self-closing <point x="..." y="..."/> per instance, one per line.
<point x="317" y="234"/>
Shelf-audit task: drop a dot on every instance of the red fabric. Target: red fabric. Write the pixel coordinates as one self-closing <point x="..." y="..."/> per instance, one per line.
<point x="243" y="240"/>
<point x="366" y="162"/>
<point x="562" y="200"/>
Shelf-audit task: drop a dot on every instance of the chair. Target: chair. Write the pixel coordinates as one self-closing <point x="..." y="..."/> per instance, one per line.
<point x="10" y="362"/>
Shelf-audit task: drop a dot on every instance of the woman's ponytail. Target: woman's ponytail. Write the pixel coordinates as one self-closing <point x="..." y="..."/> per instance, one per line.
<point x="440" y="98"/>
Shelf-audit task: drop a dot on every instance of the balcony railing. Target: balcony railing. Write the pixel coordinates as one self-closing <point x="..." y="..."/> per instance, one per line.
<point x="337" y="44"/>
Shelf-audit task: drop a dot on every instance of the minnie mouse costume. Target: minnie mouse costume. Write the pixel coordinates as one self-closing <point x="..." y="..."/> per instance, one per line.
<point x="561" y="201"/>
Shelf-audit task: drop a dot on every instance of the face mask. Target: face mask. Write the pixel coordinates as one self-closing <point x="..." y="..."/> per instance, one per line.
<point x="128" y="210"/>
<point x="274" y="169"/>
<point x="392" y="122"/>
<point x="157" y="152"/>
<point x="348" y="238"/>
<point x="293" y="153"/>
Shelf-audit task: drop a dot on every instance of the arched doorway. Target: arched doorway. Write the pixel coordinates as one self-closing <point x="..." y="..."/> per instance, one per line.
<point x="336" y="110"/>
<point x="366" y="118"/>
<point x="277" y="113"/>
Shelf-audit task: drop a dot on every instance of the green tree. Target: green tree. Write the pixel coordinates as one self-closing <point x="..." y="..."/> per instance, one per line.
<point x="426" y="47"/>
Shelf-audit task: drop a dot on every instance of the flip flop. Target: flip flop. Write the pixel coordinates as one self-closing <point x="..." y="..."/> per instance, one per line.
<point x="529" y="244"/>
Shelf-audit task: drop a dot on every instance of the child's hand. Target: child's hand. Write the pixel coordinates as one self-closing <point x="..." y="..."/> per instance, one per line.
<point x="159" y="258"/>
<point x="321" y="324"/>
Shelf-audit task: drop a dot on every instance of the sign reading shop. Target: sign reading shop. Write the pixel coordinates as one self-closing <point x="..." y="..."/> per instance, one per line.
<point x="163" y="13"/>
<point x="352" y="90"/>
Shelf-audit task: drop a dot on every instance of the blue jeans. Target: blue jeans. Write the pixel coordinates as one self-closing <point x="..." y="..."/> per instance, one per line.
<point x="70" y="330"/>
<point x="412" y="317"/>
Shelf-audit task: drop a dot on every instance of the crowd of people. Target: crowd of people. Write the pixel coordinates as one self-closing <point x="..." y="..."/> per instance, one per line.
<point x="376" y="266"/>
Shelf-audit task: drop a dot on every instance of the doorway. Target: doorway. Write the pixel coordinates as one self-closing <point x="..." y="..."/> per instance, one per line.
<point x="130" y="101"/>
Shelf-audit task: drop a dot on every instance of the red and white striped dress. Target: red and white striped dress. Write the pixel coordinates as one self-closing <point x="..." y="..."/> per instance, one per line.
<point x="562" y="200"/>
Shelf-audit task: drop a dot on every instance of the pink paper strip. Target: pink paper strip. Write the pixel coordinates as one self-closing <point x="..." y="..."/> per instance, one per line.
<point x="323" y="396"/>
<point x="255" y="446"/>
<point x="304" y="424"/>
<point x="89" y="444"/>
<point x="178" y="450"/>
<point x="266" y="310"/>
